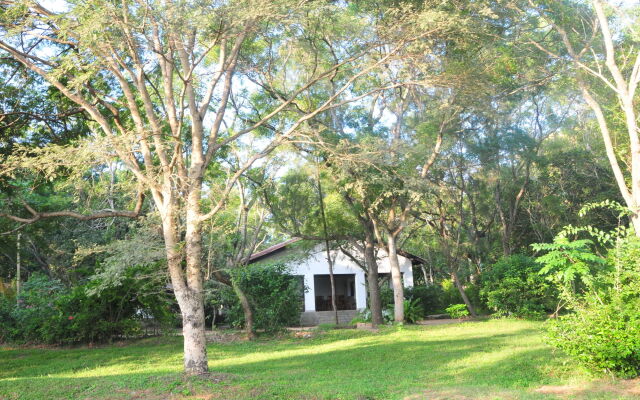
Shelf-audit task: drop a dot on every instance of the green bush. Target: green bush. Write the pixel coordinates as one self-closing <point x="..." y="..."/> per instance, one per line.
<point x="450" y="295"/>
<point x="513" y="286"/>
<point x="35" y="317"/>
<point x="602" y="336"/>
<point x="274" y="294"/>
<point x="603" y="294"/>
<point x="48" y="312"/>
<point x="413" y="311"/>
<point x="430" y="297"/>
<point x="6" y="318"/>
<point x="457" y="311"/>
<point x="386" y="297"/>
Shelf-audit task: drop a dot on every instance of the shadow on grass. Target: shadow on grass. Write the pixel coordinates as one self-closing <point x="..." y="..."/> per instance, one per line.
<point x="385" y="365"/>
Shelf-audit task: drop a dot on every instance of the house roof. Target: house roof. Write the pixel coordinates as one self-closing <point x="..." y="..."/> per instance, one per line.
<point x="273" y="249"/>
<point x="414" y="259"/>
<point x="281" y="246"/>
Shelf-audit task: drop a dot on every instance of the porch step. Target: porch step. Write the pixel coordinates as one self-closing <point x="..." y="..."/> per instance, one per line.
<point x="313" y="318"/>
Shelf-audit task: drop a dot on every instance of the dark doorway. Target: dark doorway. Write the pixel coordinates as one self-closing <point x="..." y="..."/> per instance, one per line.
<point x="345" y="292"/>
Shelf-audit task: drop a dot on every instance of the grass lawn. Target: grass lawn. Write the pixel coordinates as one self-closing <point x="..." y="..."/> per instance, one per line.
<point x="496" y="359"/>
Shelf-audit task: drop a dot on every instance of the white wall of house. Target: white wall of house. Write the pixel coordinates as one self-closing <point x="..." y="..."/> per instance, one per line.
<point x="316" y="264"/>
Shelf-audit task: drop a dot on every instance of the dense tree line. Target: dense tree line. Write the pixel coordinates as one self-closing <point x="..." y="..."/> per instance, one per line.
<point x="180" y="138"/>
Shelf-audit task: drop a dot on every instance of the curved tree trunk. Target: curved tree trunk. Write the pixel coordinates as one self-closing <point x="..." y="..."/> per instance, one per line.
<point x="470" y="307"/>
<point x="246" y="309"/>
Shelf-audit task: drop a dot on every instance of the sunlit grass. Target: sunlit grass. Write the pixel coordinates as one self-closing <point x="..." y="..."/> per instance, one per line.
<point x="492" y="359"/>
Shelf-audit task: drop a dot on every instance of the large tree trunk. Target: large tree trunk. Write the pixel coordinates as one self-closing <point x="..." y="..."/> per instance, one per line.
<point x="396" y="278"/>
<point x="375" y="304"/>
<point x="187" y="283"/>
<point x="246" y="309"/>
<point x="193" y="330"/>
<point x="472" y="311"/>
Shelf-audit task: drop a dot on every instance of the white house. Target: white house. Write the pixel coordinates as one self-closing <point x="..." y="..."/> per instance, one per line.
<point x="350" y="279"/>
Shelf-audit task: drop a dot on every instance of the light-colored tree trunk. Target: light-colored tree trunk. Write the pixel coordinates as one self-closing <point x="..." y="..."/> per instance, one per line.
<point x="396" y="279"/>
<point x="611" y="75"/>
<point x="188" y="291"/>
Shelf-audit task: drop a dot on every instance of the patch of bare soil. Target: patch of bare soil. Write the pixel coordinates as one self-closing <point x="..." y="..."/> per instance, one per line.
<point x="455" y="395"/>
<point x="177" y="387"/>
<point x="626" y="388"/>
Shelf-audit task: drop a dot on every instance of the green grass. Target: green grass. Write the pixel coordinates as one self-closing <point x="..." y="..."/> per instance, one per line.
<point x="496" y="359"/>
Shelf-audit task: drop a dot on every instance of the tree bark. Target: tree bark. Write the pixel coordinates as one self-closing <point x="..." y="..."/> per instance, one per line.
<point x="396" y="278"/>
<point x="246" y="309"/>
<point x="188" y="292"/>
<point x="375" y="304"/>
<point x="456" y="281"/>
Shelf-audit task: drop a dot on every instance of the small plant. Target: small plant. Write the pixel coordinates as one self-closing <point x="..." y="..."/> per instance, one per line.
<point x="413" y="311"/>
<point x="457" y="311"/>
<point x="365" y="316"/>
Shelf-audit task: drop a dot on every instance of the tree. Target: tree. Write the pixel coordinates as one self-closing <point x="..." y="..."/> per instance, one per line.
<point x="166" y="88"/>
<point x="600" y="44"/>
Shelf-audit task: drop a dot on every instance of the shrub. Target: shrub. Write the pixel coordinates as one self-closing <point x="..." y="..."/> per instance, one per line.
<point x="365" y="316"/>
<point x="35" y="315"/>
<point x="451" y="295"/>
<point x="603" y="337"/>
<point x="457" y="311"/>
<point x="274" y="294"/>
<point x="386" y="297"/>
<point x="429" y="297"/>
<point x="7" y="322"/>
<point x="48" y="312"/>
<point x="513" y="286"/>
<point x="603" y="330"/>
<point x="413" y="311"/>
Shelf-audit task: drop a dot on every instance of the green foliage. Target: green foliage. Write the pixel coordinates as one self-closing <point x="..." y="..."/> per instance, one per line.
<point x="513" y="286"/>
<point x="48" y="312"/>
<point x="605" y="337"/>
<point x="365" y="316"/>
<point x="386" y="296"/>
<point x="603" y="329"/>
<point x="6" y="319"/>
<point x="566" y="260"/>
<point x="430" y="297"/>
<point x="413" y="311"/>
<point x="451" y="293"/>
<point x="457" y="311"/>
<point x="274" y="294"/>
